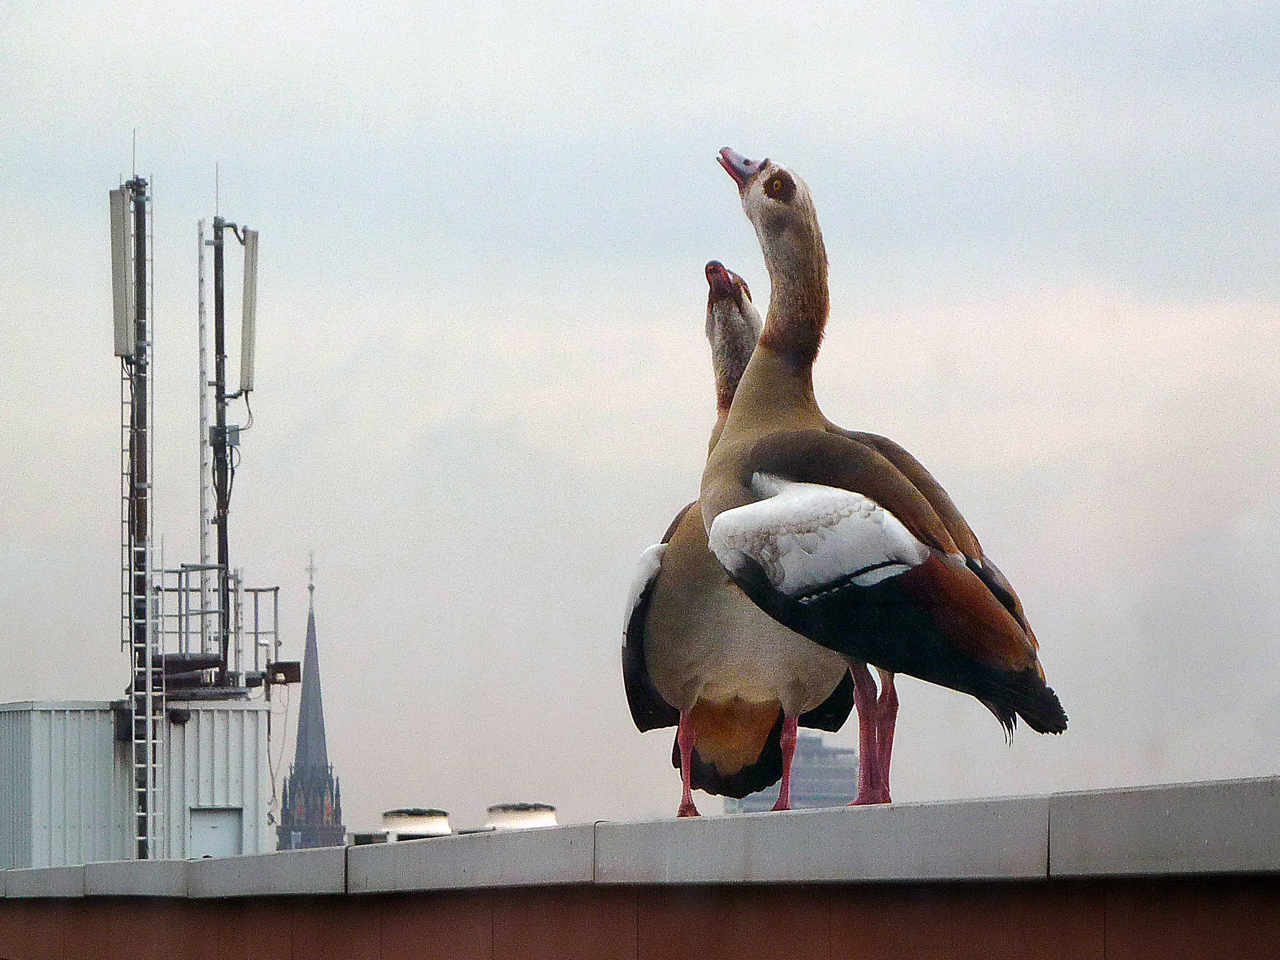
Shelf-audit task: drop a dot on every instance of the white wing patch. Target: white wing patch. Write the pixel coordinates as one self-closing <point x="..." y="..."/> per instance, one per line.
<point x="807" y="536"/>
<point x="646" y="573"/>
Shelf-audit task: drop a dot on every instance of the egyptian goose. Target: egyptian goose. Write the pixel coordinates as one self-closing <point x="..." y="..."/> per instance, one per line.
<point x="841" y="536"/>
<point x="697" y="654"/>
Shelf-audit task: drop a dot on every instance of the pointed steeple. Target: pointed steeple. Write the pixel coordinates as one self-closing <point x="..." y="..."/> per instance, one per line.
<point x="311" y="810"/>
<point x="311" y="749"/>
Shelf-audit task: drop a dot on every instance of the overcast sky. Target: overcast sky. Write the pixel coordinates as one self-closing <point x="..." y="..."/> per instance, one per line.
<point x="483" y="388"/>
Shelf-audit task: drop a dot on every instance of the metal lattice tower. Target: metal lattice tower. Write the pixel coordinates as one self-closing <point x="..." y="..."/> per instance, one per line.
<point x="139" y="603"/>
<point x="183" y="627"/>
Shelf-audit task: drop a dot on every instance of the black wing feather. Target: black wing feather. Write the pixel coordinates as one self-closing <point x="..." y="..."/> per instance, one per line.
<point x="832" y="712"/>
<point x="875" y="625"/>
<point x="649" y="711"/>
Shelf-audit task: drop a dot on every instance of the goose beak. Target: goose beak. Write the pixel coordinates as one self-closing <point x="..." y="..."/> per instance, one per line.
<point x="739" y="167"/>
<point x="719" y="280"/>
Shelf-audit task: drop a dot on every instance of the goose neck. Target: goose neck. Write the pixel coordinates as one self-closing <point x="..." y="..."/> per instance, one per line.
<point x="798" y="309"/>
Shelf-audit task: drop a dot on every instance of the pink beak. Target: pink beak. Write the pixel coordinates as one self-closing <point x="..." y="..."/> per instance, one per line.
<point x="739" y="167"/>
<point x="720" y="280"/>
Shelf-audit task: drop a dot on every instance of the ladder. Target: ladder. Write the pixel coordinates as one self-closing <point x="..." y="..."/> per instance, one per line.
<point x="139" y="623"/>
<point x="139" y="599"/>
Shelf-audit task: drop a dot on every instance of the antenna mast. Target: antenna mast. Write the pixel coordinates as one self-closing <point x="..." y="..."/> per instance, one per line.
<point x="157" y="677"/>
<point x="204" y="444"/>
<point x="221" y="452"/>
<point x="222" y="437"/>
<point x="131" y="296"/>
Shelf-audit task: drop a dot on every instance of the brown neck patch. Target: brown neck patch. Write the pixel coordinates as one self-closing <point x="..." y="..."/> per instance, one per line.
<point x="797" y="320"/>
<point x="724" y="397"/>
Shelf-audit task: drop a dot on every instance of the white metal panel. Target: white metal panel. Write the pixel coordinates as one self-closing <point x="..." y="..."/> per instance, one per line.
<point x="84" y="814"/>
<point x="218" y="759"/>
<point x="216" y="832"/>
<point x="15" y="786"/>
<point x="121" y="277"/>
<point x="65" y="793"/>
<point x="249" y="309"/>
<point x="67" y="803"/>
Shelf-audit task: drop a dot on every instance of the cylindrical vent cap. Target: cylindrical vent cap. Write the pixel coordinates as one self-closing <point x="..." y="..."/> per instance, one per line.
<point x="412" y="823"/>
<point x="521" y="816"/>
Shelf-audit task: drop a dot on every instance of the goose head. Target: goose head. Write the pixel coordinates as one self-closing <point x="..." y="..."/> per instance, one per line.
<point x="778" y="204"/>
<point x="733" y="327"/>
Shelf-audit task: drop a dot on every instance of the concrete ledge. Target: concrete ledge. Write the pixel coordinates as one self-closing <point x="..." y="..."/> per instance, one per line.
<point x="45" y="882"/>
<point x="322" y="870"/>
<point x="516" y="858"/>
<point x="975" y="840"/>
<point x="1226" y="826"/>
<point x="136" y="878"/>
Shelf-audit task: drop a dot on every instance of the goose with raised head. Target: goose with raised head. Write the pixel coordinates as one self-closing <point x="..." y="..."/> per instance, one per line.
<point x="844" y="537"/>
<point x="698" y="655"/>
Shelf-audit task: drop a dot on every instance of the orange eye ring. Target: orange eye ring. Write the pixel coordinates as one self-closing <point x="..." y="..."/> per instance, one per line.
<point x="780" y="187"/>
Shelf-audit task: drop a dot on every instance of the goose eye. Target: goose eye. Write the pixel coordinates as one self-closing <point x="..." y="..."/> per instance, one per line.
<point x="780" y="187"/>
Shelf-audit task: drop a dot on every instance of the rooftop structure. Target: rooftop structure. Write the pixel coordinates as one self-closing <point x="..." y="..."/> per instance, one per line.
<point x="67" y="795"/>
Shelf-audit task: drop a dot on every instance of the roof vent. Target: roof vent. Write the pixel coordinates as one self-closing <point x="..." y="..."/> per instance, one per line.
<point x="521" y="816"/>
<point x="415" y="823"/>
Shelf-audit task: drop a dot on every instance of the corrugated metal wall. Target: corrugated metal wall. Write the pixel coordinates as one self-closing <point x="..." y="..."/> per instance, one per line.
<point x="65" y="794"/>
<point x="15" y="787"/>
<point x="66" y="791"/>
<point x="80" y="809"/>
<point x="218" y="759"/>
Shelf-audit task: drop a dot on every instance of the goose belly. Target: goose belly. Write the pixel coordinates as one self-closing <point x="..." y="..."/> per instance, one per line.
<point x="723" y="648"/>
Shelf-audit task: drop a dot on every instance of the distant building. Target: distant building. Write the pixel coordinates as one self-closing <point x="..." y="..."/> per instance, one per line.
<point x="311" y="803"/>
<point x="821" y="776"/>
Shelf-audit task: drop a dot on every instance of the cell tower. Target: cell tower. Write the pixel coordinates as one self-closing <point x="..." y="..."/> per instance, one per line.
<point x="184" y="627"/>
<point x="132" y="295"/>
<point x="224" y="439"/>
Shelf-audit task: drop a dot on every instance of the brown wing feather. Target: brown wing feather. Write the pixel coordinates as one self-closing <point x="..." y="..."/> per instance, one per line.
<point x="922" y="480"/>
<point x="966" y="612"/>
<point x="966" y="540"/>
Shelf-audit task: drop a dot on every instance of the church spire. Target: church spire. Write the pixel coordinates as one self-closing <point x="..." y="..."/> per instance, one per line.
<point x="311" y="749"/>
<point x="311" y="815"/>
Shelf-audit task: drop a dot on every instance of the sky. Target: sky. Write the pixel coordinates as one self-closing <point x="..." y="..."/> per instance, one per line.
<point x="482" y="386"/>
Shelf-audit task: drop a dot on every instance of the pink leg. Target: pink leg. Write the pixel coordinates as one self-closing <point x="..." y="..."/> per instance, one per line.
<point x="864" y="699"/>
<point x="886" y="721"/>
<point x="686" y="738"/>
<point x="789" y="726"/>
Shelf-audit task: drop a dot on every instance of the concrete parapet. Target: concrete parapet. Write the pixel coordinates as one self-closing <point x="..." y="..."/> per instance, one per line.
<point x="44" y="882"/>
<point x="136" y="878"/>
<point x="980" y="839"/>
<point x="1226" y="826"/>
<point x="1222" y="827"/>
<point x="287" y="872"/>
<point x="516" y="858"/>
